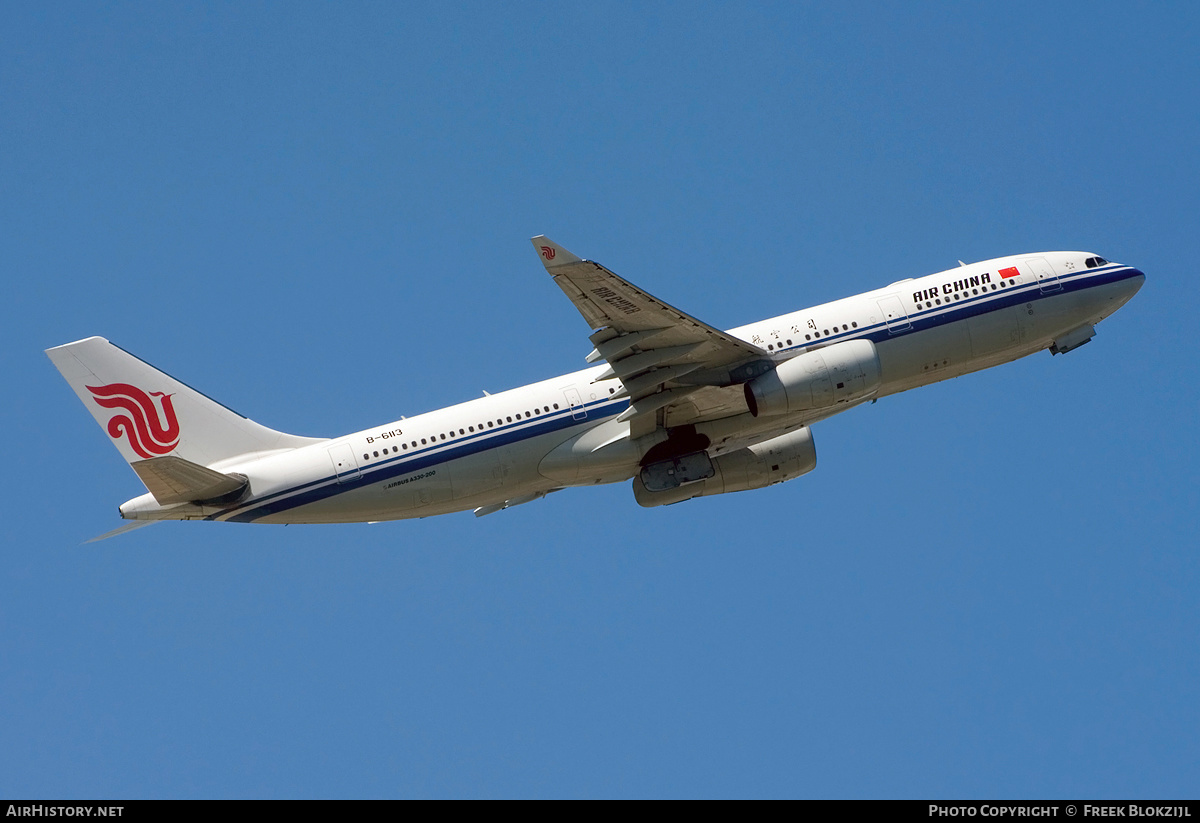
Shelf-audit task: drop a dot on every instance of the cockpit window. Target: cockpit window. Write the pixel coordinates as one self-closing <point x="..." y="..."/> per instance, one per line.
<point x="1093" y="262"/>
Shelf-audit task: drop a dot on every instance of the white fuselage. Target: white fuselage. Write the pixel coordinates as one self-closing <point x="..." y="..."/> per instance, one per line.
<point x="518" y="445"/>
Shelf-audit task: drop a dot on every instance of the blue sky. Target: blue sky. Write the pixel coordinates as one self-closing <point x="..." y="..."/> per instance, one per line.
<point x="319" y="214"/>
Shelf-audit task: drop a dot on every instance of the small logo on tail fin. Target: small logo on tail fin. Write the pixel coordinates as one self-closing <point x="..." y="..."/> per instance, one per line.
<point x="548" y="252"/>
<point x="150" y="433"/>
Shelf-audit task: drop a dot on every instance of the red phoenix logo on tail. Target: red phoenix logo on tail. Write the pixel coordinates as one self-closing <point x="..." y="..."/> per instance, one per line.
<point x="150" y="434"/>
<point x="548" y="252"/>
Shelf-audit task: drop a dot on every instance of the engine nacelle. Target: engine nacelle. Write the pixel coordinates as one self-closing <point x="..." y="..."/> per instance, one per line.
<point x="842" y="373"/>
<point x="763" y="464"/>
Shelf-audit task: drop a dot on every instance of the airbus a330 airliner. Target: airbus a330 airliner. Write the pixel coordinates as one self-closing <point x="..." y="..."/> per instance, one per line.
<point x="681" y="408"/>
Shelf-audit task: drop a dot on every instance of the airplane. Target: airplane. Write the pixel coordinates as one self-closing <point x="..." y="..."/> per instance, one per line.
<point x="682" y="409"/>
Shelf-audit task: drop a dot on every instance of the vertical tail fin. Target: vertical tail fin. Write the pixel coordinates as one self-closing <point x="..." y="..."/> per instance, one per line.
<point x="149" y="414"/>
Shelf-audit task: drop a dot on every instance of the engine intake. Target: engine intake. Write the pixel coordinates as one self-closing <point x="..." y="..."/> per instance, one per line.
<point x="763" y="464"/>
<point x="842" y="373"/>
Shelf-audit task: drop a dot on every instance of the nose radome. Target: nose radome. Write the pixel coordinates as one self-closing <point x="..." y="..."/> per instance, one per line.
<point x="1134" y="283"/>
<point x="1127" y="287"/>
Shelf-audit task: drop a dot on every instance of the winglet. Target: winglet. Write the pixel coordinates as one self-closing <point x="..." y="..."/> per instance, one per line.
<point x="552" y="254"/>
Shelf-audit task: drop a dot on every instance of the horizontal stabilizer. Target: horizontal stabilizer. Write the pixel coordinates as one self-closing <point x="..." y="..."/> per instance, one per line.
<point x="128" y="527"/>
<point x="175" y="480"/>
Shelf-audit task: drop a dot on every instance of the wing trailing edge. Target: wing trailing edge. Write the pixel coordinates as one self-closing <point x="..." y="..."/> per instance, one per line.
<point x="662" y="356"/>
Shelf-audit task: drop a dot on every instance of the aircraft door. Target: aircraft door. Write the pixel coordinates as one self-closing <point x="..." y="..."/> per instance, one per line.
<point x="1044" y="272"/>
<point x="578" y="412"/>
<point x="344" y="464"/>
<point x="894" y="314"/>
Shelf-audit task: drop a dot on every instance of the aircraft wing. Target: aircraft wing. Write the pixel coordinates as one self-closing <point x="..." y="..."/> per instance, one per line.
<point x="667" y="360"/>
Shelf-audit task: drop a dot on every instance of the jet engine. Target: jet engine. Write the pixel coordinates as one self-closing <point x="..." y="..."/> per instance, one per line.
<point x="763" y="464"/>
<point x="841" y="373"/>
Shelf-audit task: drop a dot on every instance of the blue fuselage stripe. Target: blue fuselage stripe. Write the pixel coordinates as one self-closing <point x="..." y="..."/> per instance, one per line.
<point x="952" y="312"/>
<point x="416" y="461"/>
<point x="918" y="321"/>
